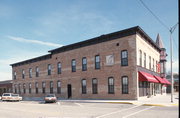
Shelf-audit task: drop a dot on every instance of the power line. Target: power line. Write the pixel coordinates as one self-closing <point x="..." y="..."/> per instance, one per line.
<point x="157" y="18"/>
<point x="160" y="21"/>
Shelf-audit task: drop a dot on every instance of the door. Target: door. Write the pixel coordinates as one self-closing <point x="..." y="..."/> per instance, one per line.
<point x="69" y="90"/>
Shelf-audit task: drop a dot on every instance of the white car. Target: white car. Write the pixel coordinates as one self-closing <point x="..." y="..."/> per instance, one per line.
<point x="10" y="97"/>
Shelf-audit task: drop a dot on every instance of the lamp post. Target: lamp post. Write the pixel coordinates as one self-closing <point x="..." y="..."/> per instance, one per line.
<point x="171" y="54"/>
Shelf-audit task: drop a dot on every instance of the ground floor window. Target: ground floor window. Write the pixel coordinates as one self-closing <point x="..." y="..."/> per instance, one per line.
<point x="51" y="87"/>
<point x="111" y="85"/>
<point x="58" y="87"/>
<point x="83" y="86"/>
<point x="94" y="86"/>
<point x="43" y="87"/>
<point x="124" y="85"/>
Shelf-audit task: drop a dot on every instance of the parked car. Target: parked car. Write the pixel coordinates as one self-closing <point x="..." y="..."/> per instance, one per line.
<point x="16" y="97"/>
<point x="10" y="97"/>
<point x="50" y="98"/>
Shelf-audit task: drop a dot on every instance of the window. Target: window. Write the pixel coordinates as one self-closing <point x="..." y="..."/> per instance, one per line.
<point x="30" y="88"/>
<point x="124" y="85"/>
<point x="153" y="64"/>
<point x="83" y="86"/>
<point x="37" y="72"/>
<point x="58" y="87"/>
<point x="51" y="87"/>
<point x="94" y="86"/>
<point x="23" y="74"/>
<point x="149" y="62"/>
<point x="15" y="88"/>
<point x="49" y="69"/>
<point x="24" y="88"/>
<point x="84" y="64"/>
<point x="140" y="57"/>
<point x="43" y="87"/>
<point x="111" y="85"/>
<point x="144" y="60"/>
<point x="36" y="86"/>
<point x="124" y="58"/>
<point x="156" y="66"/>
<point x="30" y="73"/>
<point x="19" y="88"/>
<point x="59" y="68"/>
<point x="14" y="75"/>
<point x="73" y="64"/>
<point x="97" y="62"/>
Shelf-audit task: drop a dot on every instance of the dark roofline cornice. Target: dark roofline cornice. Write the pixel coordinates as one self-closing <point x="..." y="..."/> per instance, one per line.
<point x="96" y="40"/>
<point x="106" y="37"/>
<point x="40" y="58"/>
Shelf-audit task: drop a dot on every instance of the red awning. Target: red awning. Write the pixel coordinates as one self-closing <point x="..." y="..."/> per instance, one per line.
<point x="161" y="80"/>
<point x="147" y="77"/>
<point x="167" y="82"/>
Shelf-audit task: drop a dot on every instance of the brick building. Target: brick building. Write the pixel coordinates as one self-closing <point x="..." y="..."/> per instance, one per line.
<point x="119" y="65"/>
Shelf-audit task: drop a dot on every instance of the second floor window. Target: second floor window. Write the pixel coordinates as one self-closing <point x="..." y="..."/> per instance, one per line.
<point x="59" y="68"/>
<point x="153" y="65"/>
<point x="149" y="62"/>
<point x="73" y="64"/>
<point x="83" y="86"/>
<point x="84" y="64"/>
<point x="97" y="62"/>
<point x="124" y="58"/>
<point x="14" y="75"/>
<point x="37" y="71"/>
<point x="110" y="85"/>
<point x="144" y="60"/>
<point x="49" y="69"/>
<point x="30" y="73"/>
<point x="23" y="74"/>
<point x="140" y="57"/>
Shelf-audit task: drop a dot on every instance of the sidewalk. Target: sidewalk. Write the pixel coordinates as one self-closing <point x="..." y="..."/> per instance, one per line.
<point x="159" y="100"/>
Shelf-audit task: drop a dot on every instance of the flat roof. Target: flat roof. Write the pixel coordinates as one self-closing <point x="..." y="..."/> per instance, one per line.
<point x="96" y="40"/>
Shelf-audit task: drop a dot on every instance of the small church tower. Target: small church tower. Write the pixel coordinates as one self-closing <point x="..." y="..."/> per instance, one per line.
<point x="163" y="56"/>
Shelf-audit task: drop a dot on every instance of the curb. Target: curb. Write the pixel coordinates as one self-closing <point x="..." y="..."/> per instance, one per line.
<point x="120" y="102"/>
<point x="160" y="105"/>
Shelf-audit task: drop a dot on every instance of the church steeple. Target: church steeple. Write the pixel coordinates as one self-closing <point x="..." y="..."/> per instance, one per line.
<point x="159" y="41"/>
<point x="163" y="55"/>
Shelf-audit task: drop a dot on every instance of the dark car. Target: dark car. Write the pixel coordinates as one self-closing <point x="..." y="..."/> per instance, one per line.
<point x="50" y="98"/>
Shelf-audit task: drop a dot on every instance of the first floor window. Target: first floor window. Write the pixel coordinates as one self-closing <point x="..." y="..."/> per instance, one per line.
<point x="24" y="88"/>
<point x="15" y="88"/>
<point x="19" y="88"/>
<point x="51" y="87"/>
<point x="83" y="86"/>
<point x="58" y="87"/>
<point x="110" y="85"/>
<point x="124" y="85"/>
<point x="36" y="85"/>
<point x="94" y="86"/>
<point x="29" y="87"/>
<point x="43" y="87"/>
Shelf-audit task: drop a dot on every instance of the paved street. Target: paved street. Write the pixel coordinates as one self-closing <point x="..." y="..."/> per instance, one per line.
<point x="68" y="109"/>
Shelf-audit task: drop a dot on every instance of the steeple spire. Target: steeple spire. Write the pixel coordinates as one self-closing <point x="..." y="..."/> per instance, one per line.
<point x="159" y="41"/>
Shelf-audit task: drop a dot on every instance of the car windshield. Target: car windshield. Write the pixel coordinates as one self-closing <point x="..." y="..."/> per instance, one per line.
<point x="50" y="95"/>
<point x="6" y="94"/>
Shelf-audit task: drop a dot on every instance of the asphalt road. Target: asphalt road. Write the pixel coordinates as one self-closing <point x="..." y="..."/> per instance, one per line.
<point x="28" y="109"/>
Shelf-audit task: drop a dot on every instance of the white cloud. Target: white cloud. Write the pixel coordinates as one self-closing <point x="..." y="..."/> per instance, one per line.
<point x="20" y="39"/>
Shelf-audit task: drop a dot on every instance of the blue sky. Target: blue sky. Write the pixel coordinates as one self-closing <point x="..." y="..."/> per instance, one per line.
<point x="29" y="28"/>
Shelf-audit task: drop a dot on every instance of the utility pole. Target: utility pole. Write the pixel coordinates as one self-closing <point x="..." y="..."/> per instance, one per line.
<point x="171" y="54"/>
